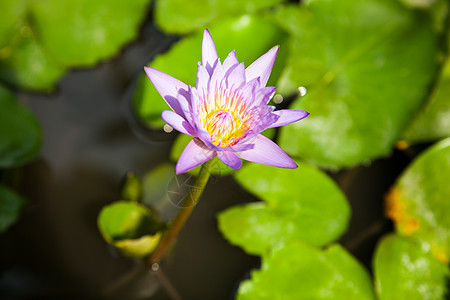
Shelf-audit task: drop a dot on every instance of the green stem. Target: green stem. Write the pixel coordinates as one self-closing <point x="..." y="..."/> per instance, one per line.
<point x="184" y="213"/>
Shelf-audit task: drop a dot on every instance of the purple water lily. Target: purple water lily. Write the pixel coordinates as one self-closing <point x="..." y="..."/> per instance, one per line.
<point x="226" y="111"/>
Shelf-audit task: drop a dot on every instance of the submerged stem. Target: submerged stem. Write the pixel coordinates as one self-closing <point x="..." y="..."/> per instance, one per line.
<point x="184" y="213"/>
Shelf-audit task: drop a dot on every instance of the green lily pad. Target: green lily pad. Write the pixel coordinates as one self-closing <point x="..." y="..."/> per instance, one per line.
<point x="250" y="36"/>
<point x="12" y="11"/>
<point x="179" y="16"/>
<point x="419" y="201"/>
<point x="298" y="271"/>
<point x="10" y="206"/>
<point x="433" y="121"/>
<point x="20" y="133"/>
<point x="301" y="204"/>
<point x="82" y="32"/>
<point x="39" y="40"/>
<point x="23" y="62"/>
<point x="404" y="271"/>
<point x="367" y="66"/>
<point x="130" y="227"/>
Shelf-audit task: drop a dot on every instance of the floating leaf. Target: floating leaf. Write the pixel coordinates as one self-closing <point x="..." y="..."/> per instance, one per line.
<point x="23" y="61"/>
<point x="10" y="206"/>
<point x="179" y="16"/>
<point x="43" y="38"/>
<point x="20" y="133"/>
<point x="367" y="66"/>
<point x="433" y="122"/>
<point x="82" y="32"/>
<point x="298" y="271"/>
<point x="419" y="202"/>
<point x="250" y="36"/>
<point x="131" y="227"/>
<point x="404" y="271"/>
<point x="12" y="11"/>
<point x="302" y="204"/>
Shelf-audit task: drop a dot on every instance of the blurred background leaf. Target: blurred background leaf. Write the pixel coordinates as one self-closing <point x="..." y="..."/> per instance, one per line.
<point x="419" y="201"/>
<point x="20" y="133"/>
<point x="180" y="17"/>
<point x="302" y="204"/>
<point x="250" y="36"/>
<point x="433" y="120"/>
<point x="403" y="270"/>
<point x="367" y="66"/>
<point x="10" y="206"/>
<point x="299" y="271"/>
<point x="42" y="39"/>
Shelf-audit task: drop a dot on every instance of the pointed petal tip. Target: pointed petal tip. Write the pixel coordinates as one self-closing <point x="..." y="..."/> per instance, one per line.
<point x="209" y="53"/>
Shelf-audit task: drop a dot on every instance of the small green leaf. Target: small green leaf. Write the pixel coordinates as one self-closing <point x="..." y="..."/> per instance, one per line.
<point x="179" y="16"/>
<point x="250" y="36"/>
<point x="404" y="271"/>
<point x="10" y="206"/>
<point x="302" y="204"/>
<point x="131" y="187"/>
<point x="367" y="66"/>
<point x="82" y="32"/>
<point x="20" y="133"/>
<point x="419" y="201"/>
<point x="298" y="271"/>
<point x="131" y="227"/>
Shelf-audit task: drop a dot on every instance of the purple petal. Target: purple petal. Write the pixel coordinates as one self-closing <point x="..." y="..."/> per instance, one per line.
<point x="202" y="80"/>
<point x="262" y="66"/>
<point x="177" y="122"/>
<point x="193" y="155"/>
<point x="236" y="78"/>
<point x="185" y="107"/>
<point x="217" y="75"/>
<point x="263" y="95"/>
<point x="288" y="116"/>
<point x="209" y="53"/>
<point x="168" y="87"/>
<point x="230" y="159"/>
<point x="249" y="91"/>
<point x="267" y="152"/>
<point x="230" y="61"/>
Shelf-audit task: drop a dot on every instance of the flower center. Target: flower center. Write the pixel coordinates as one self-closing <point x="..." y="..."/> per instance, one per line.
<point x="224" y="115"/>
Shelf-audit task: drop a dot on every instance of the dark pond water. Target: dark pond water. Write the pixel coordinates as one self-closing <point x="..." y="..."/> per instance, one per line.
<point x="91" y="141"/>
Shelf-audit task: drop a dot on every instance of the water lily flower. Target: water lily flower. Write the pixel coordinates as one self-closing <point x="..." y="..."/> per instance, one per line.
<point x="226" y="111"/>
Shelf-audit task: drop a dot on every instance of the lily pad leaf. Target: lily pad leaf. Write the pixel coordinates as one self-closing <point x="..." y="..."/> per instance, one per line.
<point x="179" y="16"/>
<point x="20" y="133"/>
<point x="131" y="227"/>
<point x="10" y="206"/>
<point x="433" y="121"/>
<point x="251" y="37"/>
<point x="298" y="271"/>
<point x="42" y="39"/>
<point x="300" y="204"/>
<point x="419" y="201"/>
<point x="404" y="271"/>
<point x="81" y="32"/>
<point x="367" y="66"/>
